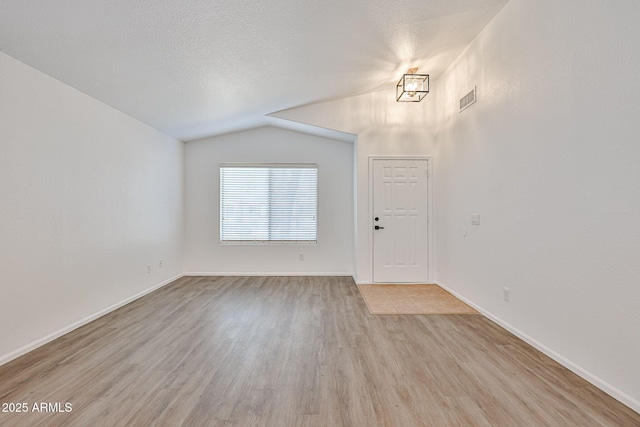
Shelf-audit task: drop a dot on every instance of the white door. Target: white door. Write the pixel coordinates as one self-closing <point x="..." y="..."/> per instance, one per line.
<point x="400" y="249"/>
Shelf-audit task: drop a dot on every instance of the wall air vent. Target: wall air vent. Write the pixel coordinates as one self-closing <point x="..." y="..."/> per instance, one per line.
<point x="468" y="100"/>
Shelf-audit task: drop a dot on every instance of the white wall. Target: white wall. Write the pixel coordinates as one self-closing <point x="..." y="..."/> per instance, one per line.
<point x="333" y="254"/>
<point x="549" y="157"/>
<point x="89" y="197"/>
<point x="383" y="127"/>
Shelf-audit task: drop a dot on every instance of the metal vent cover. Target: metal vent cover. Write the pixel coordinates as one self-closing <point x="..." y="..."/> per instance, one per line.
<point x="468" y="100"/>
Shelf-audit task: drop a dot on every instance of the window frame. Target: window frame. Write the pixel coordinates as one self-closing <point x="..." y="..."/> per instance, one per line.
<point x="271" y="166"/>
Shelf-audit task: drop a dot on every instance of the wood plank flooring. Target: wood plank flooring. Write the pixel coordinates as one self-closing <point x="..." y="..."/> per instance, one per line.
<point x="294" y="351"/>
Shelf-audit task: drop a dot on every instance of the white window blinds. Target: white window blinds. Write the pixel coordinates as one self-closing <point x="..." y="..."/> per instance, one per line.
<point x="266" y="203"/>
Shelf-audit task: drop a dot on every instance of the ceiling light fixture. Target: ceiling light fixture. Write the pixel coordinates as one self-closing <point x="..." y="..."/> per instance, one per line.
<point x="412" y="87"/>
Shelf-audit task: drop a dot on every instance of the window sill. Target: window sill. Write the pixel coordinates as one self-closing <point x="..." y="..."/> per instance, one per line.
<point x="267" y="242"/>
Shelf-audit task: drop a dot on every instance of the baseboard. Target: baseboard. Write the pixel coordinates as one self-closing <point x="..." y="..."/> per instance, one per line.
<point x="271" y="273"/>
<point x="366" y="282"/>
<point x="576" y="369"/>
<point x="57" y="334"/>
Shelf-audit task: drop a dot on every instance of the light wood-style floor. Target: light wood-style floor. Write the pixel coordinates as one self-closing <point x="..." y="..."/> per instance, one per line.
<point x="296" y="351"/>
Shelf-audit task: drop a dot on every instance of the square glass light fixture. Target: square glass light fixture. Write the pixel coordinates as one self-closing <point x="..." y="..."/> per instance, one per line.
<point x="412" y="87"/>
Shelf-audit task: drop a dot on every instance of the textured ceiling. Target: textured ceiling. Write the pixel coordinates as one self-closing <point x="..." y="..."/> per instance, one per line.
<point x="194" y="68"/>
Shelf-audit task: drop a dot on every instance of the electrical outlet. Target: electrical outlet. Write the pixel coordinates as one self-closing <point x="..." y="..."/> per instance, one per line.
<point x="160" y="264"/>
<point x="148" y="268"/>
<point x="475" y="219"/>
<point x="300" y="257"/>
<point x="506" y="294"/>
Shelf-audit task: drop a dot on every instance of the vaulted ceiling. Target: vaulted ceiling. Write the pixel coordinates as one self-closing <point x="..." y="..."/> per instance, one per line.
<point x="194" y="68"/>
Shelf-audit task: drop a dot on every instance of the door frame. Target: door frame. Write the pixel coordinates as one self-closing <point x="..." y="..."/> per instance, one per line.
<point x="430" y="255"/>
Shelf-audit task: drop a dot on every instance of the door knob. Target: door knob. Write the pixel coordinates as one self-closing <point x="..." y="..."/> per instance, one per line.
<point x="379" y="228"/>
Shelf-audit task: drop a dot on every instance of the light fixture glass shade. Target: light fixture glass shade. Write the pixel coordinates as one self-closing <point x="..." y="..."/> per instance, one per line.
<point x="412" y="88"/>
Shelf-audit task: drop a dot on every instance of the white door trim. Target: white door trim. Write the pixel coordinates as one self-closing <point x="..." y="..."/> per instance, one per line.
<point x="430" y="247"/>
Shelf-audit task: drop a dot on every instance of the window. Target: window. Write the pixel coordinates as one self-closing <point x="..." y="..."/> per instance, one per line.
<point x="268" y="203"/>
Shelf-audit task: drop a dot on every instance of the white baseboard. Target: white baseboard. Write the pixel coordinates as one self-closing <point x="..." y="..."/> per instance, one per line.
<point x="366" y="282"/>
<point x="578" y="370"/>
<point x="271" y="273"/>
<point x="44" y="340"/>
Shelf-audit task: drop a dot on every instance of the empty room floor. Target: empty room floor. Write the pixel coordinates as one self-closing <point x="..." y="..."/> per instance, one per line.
<point x="295" y="351"/>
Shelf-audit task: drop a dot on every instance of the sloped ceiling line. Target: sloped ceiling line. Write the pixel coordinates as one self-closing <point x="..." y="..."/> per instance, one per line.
<point x="196" y="68"/>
